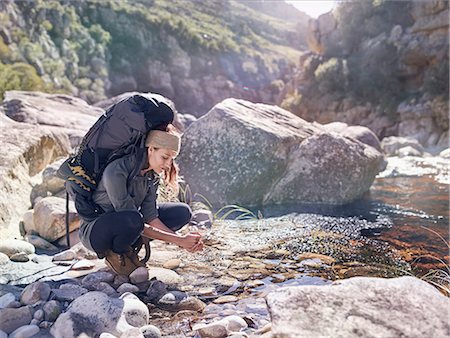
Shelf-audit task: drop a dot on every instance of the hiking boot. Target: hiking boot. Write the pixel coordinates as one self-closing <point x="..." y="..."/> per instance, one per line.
<point x="121" y="264"/>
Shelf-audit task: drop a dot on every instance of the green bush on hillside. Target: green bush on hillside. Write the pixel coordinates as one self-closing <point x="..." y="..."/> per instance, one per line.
<point x="19" y="76"/>
<point x="331" y="76"/>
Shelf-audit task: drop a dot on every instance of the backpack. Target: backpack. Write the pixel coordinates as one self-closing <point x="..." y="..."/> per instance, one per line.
<point x="120" y="131"/>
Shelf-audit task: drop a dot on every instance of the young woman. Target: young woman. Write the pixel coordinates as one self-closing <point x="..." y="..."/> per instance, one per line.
<point x="130" y="205"/>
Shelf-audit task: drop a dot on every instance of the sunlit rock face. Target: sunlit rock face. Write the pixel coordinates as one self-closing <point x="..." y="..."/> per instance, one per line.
<point x="255" y="154"/>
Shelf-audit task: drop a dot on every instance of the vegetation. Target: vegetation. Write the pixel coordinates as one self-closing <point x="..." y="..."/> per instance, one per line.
<point x="19" y="76"/>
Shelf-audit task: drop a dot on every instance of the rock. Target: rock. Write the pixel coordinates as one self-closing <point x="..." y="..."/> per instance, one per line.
<point x="74" y="239"/>
<point x="225" y="299"/>
<point x="281" y="156"/>
<point x="132" y="333"/>
<point x="360" y="306"/>
<point x="139" y="275"/>
<point x="445" y="153"/>
<point x="150" y="331"/>
<point x="119" y="280"/>
<point x="166" y="276"/>
<point x="6" y="300"/>
<point x="28" y="223"/>
<point x="91" y="280"/>
<point x="107" y="335"/>
<point x="15" y="246"/>
<point x="25" y="331"/>
<point x="39" y="315"/>
<point x="68" y="292"/>
<point x="127" y="287"/>
<point x="19" y="257"/>
<point x="84" y="264"/>
<point x="360" y="133"/>
<point x="50" y="218"/>
<point x="4" y="259"/>
<point x="156" y="290"/>
<point x="66" y="255"/>
<point x="51" y="184"/>
<point x="234" y="323"/>
<point x="172" y="264"/>
<point x="52" y="309"/>
<point x="12" y="318"/>
<point x="95" y="313"/>
<point x="175" y="301"/>
<point x="40" y="243"/>
<point x="106" y="288"/>
<point x="3" y="334"/>
<point x="391" y="145"/>
<point x="202" y="218"/>
<point x="408" y="151"/>
<point x="212" y="330"/>
<point x="22" y="158"/>
<point x="35" y="292"/>
<point x="186" y="120"/>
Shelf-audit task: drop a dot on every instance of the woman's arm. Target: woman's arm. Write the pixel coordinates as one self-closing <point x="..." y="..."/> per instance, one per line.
<point x="158" y="230"/>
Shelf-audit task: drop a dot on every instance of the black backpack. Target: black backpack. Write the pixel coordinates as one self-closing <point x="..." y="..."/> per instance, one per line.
<point x="120" y="131"/>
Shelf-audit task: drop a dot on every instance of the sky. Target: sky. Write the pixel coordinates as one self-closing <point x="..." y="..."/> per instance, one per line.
<point x="313" y="8"/>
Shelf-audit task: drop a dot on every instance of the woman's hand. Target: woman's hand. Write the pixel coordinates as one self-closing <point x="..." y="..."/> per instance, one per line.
<point x="192" y="242"/>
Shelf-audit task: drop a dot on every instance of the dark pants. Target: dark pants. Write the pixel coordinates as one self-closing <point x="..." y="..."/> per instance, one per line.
<point x="117" y="231"/>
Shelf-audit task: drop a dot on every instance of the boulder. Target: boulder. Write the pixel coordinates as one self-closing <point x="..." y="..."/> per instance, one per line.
<point x="391" y="145"/>
<point x="360" y="133"/>
<point x="50" y="218"/>
<point x="51" y="184"/>
<point x="255" y="154"/>
<point x="95" y="313"/>
<point x="15" y="246"/>
<point x="26" y="150"/>
<point x="360" y="307"/>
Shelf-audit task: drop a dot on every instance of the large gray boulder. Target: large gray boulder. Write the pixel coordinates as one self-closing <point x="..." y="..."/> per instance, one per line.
<point x="256" y="154"/>
<point x="26" y="150"/>
<point x="360" y="307"/>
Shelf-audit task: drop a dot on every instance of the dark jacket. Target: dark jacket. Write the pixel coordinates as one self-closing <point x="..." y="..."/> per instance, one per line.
<point x="116" y="192"/>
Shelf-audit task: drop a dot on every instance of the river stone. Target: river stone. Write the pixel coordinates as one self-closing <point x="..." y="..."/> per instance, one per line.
<point x="50" y="218"/>
<point x="172" y="264"/>
<point x="139" y="275"/>
<point x="66" y="255"/>
<point x="35" y="292"/>
<point x="40" y="243"/>
<point x="14" y="246"/>
<point x="3" y="334"/>
<point x="408" y="151"/>
<point x="106" y="288"/>
<point x="6" y="300"/>
<point x="150" y="331"/>
<point x="127" y="287"/>
<point x="175" y="301"/>
<point x="39" y="315"/>
<point x="91" y="280"/>
<point x="283" y="158"/>
<point x="25" y="331"/>
<point x="166" y="276"/>
<point x="392" y="144"/>
<point x="95" y="313"/>
<point x="83" y="264"/>
<point x="68" y="292"/>
<point x="4" y="259"/>
<point x="12" y="319"/>
<point x="225" y="299"/>
<point x="52" y="309"/>
<point x="361" y="307"/>
<point x="19" y="257"/>
<point x="212" y="330"/>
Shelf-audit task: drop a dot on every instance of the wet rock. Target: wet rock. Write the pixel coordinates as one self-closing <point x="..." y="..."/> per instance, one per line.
<point x="91" y="280"/>
<point x="150" y="331"/>
<point x="50" y="218"/>
<point x="66" y="255"/>
<point x="25" y="331"/>
<point x="4" y="259"/>
<point x="139" y="275"/>
<point x="14" y="246"/>
<point x="19" y="257"/>
<point x="35" y="292"/>
<point x="40" y="243"/>
<point x="52" y="309"/>
<point x="166" y="276"/>
<point x="360" y="306"/>
<point x="6" y="300"/>
<point x="68" y="292"/>
<point x="95" y="313"/>
<point x="127" y="287"/>
<point x="172" y="264"/>
<point x="12" y="319"/>
<point x="225" y="299"/>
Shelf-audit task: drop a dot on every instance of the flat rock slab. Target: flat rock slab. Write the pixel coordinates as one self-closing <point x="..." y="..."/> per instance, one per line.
<point x="361" y="307"/>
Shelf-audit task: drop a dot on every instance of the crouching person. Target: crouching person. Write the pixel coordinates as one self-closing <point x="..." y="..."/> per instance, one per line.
<point x="131" y="212"/>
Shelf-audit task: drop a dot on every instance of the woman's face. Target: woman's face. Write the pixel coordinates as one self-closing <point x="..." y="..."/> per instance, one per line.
<point x="160" y="159"/>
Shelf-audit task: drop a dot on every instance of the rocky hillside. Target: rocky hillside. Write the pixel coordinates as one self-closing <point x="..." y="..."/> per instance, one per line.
<point x="382" y="64"/>
<point x="195" y="52"/>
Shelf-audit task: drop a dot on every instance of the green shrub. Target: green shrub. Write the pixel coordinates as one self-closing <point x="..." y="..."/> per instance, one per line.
<point x="292" y="101"/>
<point x="19" y="76"/>
<point x="331" y="76"/>
<point x="5" y="52"/>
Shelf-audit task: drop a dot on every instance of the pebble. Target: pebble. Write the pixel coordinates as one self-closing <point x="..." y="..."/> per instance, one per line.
<point x="68" y="292"/>
<point x="52" y="309"/>
<point x="150" y="331"/>
<point x="120" y="279"/>
<point x="19" y="257"/>
<point x="39" y="314"/>
<point x="83" y="264"/>
<point x="6" y="300"/>
<point x="206" y="291"/>
<point x="106" y="288"/>
<point x="172" y="264"/>
<point x="91" y="280"/>
<point x="127" y="287"/>
<point x="25" y="331"/>
<point x="225" y="299"/>
<point x="166" y="276"/>
<point x="35" y="292"/>
<point x="3" y="258"/>
<point x="258" y="308"/>
<point x="212" y="330"/>
<point x="66" y="255"/>
<point x="139" y="275"/>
